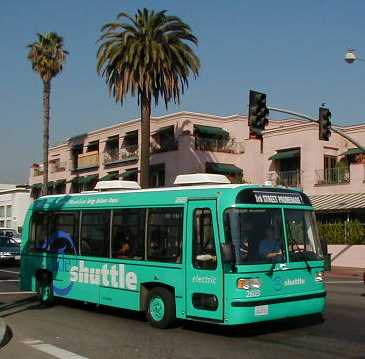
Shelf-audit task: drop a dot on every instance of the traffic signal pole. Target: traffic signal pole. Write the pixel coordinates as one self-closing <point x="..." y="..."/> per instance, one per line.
<point x="311" y="119"/>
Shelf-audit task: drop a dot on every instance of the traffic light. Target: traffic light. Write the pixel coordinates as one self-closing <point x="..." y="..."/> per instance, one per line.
<point x="324" y="123"/>
<point x="257" y="113"/>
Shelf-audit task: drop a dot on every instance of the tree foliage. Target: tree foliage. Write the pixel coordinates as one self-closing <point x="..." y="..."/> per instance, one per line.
<point x="47" y="55"/>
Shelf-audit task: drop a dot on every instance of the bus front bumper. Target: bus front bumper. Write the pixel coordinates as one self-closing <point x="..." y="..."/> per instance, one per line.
<point x="258" y="310"/>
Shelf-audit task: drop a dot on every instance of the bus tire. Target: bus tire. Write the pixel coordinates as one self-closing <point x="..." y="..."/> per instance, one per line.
<point x="161" y="312"/>
<point x="45" y="292"/>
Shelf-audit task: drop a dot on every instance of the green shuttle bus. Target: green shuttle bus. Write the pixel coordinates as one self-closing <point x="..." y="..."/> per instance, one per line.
<point x="222" y="253"/>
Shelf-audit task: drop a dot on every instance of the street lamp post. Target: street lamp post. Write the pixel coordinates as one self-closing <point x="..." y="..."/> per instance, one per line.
<point x="351" y="56"/>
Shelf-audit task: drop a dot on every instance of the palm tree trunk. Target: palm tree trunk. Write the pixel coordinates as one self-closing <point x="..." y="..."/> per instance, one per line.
<point x="145" y="140"/>
<point x="46" y="110"/>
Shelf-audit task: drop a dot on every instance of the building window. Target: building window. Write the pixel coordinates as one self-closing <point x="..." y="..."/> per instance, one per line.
<point x="95" y="228"/>
<point x="8" y="211"/>
<point x="2" y="211"/>
<point x="164" y="238"/>
<point x="128" y="234"/>
<point x="204" y="253"/>
<point x="157" y="175"/>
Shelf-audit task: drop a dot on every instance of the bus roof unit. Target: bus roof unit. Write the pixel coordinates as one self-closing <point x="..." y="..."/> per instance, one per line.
<point x="103" y="186"/>
<point x="200" y="178"/>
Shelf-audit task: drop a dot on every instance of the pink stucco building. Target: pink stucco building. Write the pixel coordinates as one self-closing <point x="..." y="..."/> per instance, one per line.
<point x="289" y="154"/>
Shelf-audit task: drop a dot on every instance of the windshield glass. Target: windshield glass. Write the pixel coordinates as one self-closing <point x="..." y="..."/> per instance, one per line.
<point x="303" y="239"/>
<point x="257" y="235"/>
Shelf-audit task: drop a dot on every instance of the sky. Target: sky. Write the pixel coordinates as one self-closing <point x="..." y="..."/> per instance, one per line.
<point x="291" y="50"/>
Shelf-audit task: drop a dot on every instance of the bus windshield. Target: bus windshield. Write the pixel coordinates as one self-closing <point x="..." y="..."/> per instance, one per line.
<point x="257" y="235"/>
<point x="303" y="238"/>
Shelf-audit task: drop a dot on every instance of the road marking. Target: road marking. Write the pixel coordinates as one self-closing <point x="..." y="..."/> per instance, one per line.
<point x="344" y="281"/>
<point x="8" y="271"/>
<point x="52" y="350"/>
<point x="9" y="280"/>
<point x="31" y="342"/>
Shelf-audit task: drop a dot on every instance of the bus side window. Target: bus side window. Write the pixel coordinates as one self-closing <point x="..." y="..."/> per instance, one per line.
<point x="65" y="234"/>
<point x="165" y="231"/>
<point x="39" y="231"/>
<point x="95" y="228"/>
<point x="204" y="252"/>
<point x="128" y="235"/>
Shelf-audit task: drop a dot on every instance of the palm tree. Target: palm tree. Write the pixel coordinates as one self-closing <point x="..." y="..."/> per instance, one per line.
<point x="47" y="56"/>
<point x="147" y="55"/>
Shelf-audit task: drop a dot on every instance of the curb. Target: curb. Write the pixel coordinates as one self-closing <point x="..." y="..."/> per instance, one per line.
<point x="346" y="272"/>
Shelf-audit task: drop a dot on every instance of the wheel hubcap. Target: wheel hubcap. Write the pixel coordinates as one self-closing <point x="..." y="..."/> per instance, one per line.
<point x="157" y="309"/>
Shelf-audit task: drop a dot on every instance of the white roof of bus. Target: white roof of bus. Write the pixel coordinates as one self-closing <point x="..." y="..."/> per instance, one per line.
<point x="159" y="189"/>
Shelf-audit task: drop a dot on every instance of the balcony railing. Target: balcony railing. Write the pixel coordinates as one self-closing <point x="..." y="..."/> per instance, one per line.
<point x="165" y="146"/>
<point x="37" y="172"/>
<point x="58" y="167"/>
<point x="287" y="178"/>
<point x="216" y="145"/>
<point x="335" y="175"/>
<point x="129" y="153"/>
<point x="87" y="160"/>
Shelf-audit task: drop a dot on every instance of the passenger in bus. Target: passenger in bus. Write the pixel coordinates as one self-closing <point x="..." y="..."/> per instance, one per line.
<point x="270" y="247"/>
<point x="125" y="250"/>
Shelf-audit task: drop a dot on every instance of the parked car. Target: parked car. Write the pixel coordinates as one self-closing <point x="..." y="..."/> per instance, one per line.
<point x="9" y="232"/>
<point x="9" y="249"/>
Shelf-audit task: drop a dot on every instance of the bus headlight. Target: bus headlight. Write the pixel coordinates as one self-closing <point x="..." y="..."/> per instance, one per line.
<point x="318" y="277"/>
<point x="248" y="283"/>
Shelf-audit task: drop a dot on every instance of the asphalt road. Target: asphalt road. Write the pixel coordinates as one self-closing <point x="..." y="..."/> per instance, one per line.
<point x="77" y="331"/>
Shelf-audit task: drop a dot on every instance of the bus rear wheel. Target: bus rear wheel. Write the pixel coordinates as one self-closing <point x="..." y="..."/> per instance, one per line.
<point x="45" y="290"/>
<point x="161" y="312"/>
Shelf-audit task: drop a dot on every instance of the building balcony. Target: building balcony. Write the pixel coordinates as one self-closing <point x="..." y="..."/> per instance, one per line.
<point x="86" y="160"/>
<point x="165" y="146"/>
<point x="333" y="176"/>
<point x="125" y="154"/>
<point x="287" y="178"/>
<point x="36" y="171"/>
<point x="219" y="145"/>
<point x="57" y="167"/>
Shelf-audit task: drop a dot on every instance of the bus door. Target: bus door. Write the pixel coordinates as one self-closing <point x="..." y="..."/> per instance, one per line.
<point x="204" y="272"/>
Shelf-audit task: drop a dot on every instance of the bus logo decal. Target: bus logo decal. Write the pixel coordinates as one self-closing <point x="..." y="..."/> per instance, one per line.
<point x="115" y="277"/>
<point x="68" y="240"/>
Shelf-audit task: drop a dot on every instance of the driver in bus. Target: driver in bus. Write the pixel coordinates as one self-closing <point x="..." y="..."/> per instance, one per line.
<point x="270" y="247"/>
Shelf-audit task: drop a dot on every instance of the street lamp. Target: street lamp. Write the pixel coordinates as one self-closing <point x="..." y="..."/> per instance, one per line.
<point x="351" y="56"/>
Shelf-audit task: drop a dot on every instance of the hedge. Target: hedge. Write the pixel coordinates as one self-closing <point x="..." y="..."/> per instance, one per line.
<point x="352" y="232"/>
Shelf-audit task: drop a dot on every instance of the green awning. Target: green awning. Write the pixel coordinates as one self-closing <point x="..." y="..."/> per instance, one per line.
<point x="223" y="168"/>
<point x="59" y="182"/>
<point x="88" y="179"/>
<point x="211" y="131"/>
<point x="76" y="180"/>
<point x="285" y="154"/>
<point x="353" y="151"/>
<point x="165" y="128"/>
<point x="129" y="173"/>
<point x="110" y="177"/>
<point x="36" y="186"/>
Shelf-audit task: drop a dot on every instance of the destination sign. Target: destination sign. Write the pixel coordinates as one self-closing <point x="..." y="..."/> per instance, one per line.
<point x="273" y="196"/>
<point x="278" y="198"/>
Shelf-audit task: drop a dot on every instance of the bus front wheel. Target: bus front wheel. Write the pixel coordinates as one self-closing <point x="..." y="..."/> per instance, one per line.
<point x="161" y="311"/>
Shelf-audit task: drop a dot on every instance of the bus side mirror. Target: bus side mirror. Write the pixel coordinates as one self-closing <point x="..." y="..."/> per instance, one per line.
<point x="324" y="246"/>
<point x="228" y="253"/>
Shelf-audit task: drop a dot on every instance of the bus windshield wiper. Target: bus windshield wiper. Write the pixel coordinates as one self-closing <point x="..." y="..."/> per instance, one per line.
<point x="302" y="254"/>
